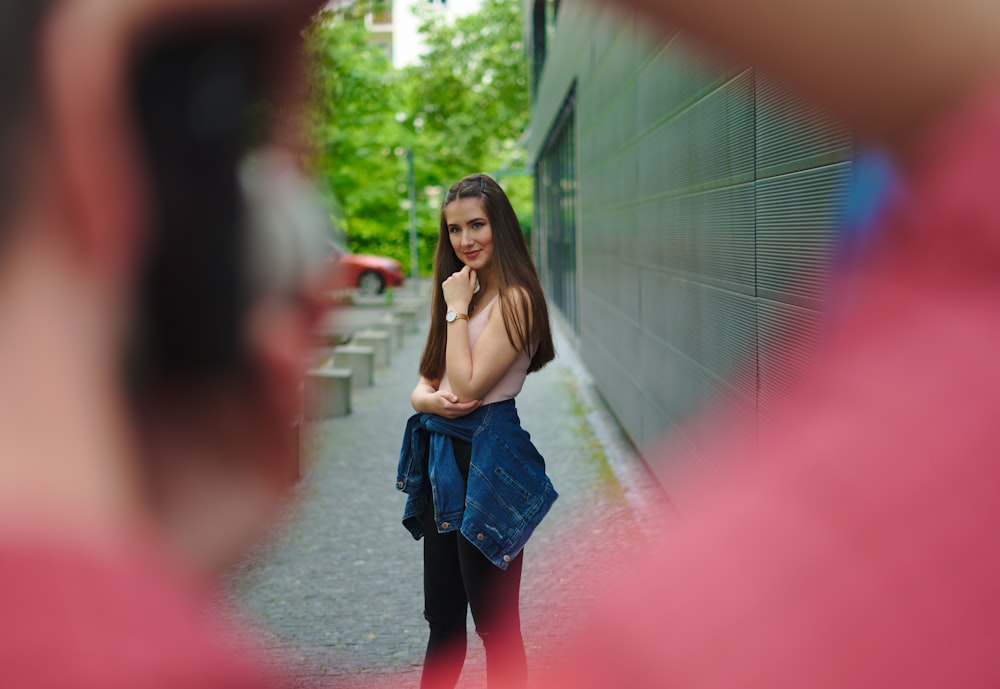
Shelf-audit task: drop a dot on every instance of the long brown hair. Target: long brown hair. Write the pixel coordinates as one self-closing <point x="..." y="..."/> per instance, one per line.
<point x="512" y="268"/>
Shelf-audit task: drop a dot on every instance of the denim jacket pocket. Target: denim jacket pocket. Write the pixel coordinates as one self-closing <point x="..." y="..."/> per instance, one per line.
<point x="514" y="496"/>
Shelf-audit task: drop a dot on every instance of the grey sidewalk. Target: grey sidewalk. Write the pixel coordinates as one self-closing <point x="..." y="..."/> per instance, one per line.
<point x="339" y="588"/>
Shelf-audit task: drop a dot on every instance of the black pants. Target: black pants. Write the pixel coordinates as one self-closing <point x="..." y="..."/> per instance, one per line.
<point x="458" y="577"/>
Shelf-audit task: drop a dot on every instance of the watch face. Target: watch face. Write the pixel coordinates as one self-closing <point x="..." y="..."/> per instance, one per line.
<point x="450" y="316"/>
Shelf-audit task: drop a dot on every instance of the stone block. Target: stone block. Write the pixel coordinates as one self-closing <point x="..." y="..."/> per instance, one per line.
<point x="377" y="340"/>
<point x="360" y="359"/>
<point x="328" y="393"/>
<point x="393" y="326"/>
<point x="408" y="315"/>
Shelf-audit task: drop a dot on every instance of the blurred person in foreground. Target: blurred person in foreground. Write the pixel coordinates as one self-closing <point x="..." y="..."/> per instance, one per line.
<point x="857" y="546"/>
<point x="156" y="303"/>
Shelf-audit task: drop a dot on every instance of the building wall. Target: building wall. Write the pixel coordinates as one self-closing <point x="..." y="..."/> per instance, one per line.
<point x="707" y="199"/>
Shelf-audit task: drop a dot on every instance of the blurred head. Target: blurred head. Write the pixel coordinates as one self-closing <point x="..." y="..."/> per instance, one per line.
<point x="152" y="146"/>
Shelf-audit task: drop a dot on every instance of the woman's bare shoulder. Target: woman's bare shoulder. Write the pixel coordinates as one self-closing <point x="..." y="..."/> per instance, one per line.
<point x="516" y="305"/>
<point x="516" y="296"/>
<point x="516" y="301"/>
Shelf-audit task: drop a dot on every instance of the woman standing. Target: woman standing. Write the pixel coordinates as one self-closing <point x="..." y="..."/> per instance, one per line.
<point x="476" y="484"/>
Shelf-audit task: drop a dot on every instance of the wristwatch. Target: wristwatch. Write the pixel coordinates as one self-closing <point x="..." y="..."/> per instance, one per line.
<point x="453" y="315"/>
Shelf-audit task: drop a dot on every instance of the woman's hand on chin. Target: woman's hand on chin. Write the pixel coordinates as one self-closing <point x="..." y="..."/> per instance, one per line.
<point x="459" y="288"/>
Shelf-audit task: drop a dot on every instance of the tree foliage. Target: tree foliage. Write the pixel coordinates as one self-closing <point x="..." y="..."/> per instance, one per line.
<point x="461" y="110"/>
<point x="354" y="133"/>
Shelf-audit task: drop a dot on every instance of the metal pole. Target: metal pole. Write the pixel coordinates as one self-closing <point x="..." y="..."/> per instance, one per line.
<point x="414" y="262"/>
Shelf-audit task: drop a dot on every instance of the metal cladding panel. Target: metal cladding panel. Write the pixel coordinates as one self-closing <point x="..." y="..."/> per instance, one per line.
<point x="610" y="377"/>
<point x="653" y="422"/>
<point x="608" y="180"/>
<point x="617" y="133"/>
<point x="624" y="178"/>
<point x="729" y="414"/>
<point x="597" y="247"/>
<point x="677" y="76"/>
<point x="604" y="32"/>
<point x="708" y="144"/>
<point x="622" y="65"/>
<point x="683" y="392"/>
<point x="666" y="379"/>
<point x="590" y="186"/>
<point x="788" y="339"/>
<point x="598" y="239"/>
<point x="616" y="330"/>
<point x="793" y="134"/>
<point x="707" y="236"/>
<point x="607" y="340"/>
<point x="671" y="385"/>
<point x="708" y="197"/>
<point x="623" y="290"/>
<point x="629" y="241"/>
<point x="712" y="329"/>
<point x="594" y="80"/>
<point x="796" y="237"/>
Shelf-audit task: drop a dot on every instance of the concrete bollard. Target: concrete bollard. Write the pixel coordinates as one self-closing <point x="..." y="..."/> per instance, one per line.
<point x="328" y="393"/>
<point x="408" y="316"/>
<point x="331" y="336"/>
<point x="393" y="326"/>
<point x="377" y="340"/>
<point x="360" y="359"/>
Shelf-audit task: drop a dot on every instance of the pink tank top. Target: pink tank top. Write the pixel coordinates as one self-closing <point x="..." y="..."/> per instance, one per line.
<point x="513" y="380"/>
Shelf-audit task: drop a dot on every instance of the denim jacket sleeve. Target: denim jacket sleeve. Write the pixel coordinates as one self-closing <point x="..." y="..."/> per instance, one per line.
<point x="427" y="470"/>
<point x="412" y="474"/>
<point x="508" y="493"/>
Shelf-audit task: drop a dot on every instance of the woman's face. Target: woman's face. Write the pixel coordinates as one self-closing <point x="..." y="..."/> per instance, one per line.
<point x="470" y="233"/>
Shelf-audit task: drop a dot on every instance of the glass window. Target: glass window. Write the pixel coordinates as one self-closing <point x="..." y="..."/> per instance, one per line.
<point x="556" y="184"/>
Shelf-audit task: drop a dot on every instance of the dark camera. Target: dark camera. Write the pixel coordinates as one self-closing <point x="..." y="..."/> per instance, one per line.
<point x="199" y="106"/>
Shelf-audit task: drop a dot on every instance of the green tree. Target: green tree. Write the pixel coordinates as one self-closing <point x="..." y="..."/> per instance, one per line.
<point x="464" y="110"/>
<point x="468" y="106"/>
<point x="354" y="133"/>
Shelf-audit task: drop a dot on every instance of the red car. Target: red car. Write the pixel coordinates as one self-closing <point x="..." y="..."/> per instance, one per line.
<point x="369" y="274"/>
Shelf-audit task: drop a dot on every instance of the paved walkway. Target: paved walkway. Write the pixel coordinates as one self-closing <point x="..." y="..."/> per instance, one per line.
<point x="339" y="588"/>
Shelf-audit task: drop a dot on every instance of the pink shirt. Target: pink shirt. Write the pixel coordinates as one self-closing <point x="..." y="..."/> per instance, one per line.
<point x="511" y="382"/>
<point x="74" y="619"/>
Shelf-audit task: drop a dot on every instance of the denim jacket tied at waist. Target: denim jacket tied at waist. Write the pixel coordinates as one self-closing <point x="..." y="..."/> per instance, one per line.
<point x="508" y="492"/>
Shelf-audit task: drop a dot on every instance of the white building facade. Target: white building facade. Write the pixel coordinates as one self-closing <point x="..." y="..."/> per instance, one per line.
<point x="398" y="29"/>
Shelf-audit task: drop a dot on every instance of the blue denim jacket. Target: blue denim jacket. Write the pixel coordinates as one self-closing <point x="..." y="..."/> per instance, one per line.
<point x="508" y="492"/>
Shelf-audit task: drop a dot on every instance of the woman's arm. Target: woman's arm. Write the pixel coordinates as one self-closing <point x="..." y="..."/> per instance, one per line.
<point x="428" y="399"/>
<point x="473" y="373"/>
<point x="887" y="67"/>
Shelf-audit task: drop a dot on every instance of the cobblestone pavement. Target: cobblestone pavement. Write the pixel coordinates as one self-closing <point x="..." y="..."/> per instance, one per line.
<point x="338" y="591"/>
